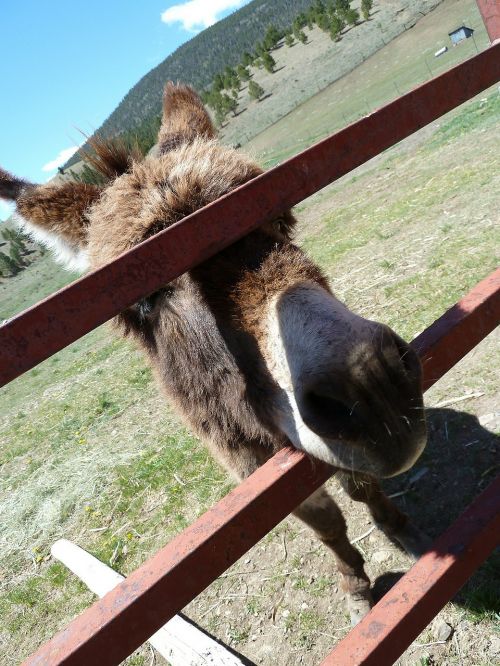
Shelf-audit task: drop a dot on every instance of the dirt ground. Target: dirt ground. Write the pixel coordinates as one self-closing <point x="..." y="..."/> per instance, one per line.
<point x="89" y="451"/>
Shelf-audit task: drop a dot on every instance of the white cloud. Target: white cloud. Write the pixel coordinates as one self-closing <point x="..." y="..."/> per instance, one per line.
<point x="63" y="157"/>
<point x="198" y="14"/>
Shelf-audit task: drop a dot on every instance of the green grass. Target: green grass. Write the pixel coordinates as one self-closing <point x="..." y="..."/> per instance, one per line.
<point x="78" y="451"/>
<point x="302" y="627"/>
<point x="31" y="285"/>
<point x="482" y="113"/>
<point x="375" y="221"/>
<point x="90" y="451"/>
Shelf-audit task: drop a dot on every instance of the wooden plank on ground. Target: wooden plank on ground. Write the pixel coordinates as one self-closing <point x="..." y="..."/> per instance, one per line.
<point x="178" y="641"/>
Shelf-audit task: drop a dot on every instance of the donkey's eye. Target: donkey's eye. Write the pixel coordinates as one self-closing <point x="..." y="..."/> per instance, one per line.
<point x="146" y="306"/>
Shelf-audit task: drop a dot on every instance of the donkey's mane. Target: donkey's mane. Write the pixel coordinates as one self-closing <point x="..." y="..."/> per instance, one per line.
<point x="111" y="157"/>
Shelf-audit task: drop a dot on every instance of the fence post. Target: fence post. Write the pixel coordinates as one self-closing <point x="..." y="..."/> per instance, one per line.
<point x="490" y="13"/>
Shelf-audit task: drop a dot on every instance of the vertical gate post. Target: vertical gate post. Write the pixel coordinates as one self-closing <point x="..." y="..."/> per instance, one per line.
<point x="490" y="13"/>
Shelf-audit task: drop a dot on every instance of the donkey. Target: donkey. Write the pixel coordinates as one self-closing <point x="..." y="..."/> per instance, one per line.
<point x="251" y="347"/>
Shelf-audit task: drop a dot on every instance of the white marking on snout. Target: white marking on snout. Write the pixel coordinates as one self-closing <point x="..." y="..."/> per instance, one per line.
<point x="307" y="339"/>
<point x="280" y="360"/>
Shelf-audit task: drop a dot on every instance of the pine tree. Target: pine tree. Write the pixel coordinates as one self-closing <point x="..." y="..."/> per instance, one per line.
<point x="351" y="16"/>
<point x="272" y="38"/>
<point x="323" y="21"/>
<point x="289" y="40"/>
<point x="218" y="83"/>
<point x="243" y="72"/>
<point x="8" y="234"/>
<point x="302" y="37"/>
<point x="255" y="90"/>
<point x="336" y="27"/>
<point x="299" y="34"/>
<point x="247" y="59"/>
<point x="366" y="7"/>
<point x="302" y="19"/>
<point x="220" y="116"/>
<point x="7" y="265"/>
<point x="342" y="5"/>
<point x="318" y="9"/>
<point x="230" y="78"/>
<point x="21" y="243"/>
<point x="15" y="255"/>
<point x="16" y="239"/>
<point x="269" y="62"/>
<point x="229" y="104"/>
<point x="260" y="49"/>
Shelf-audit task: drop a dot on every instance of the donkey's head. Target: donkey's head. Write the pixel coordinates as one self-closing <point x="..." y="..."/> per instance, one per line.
<point x="344" y="389"/>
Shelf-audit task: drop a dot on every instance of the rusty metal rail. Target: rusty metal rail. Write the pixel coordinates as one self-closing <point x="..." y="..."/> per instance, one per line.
<point x="465" y="324"/>
<point x="47" y="327"/>
<point x="125" y="618"/>
<point x="113" y="627"/>
<point x="490" y="13"/>
<point x="385" y="633"/>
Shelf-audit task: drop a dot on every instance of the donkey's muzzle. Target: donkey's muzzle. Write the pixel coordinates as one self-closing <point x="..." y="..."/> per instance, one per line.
<point x="371" y="400"/>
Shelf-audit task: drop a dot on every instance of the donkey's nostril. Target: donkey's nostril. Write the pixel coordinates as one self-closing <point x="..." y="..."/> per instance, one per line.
<point x="407" y="356"/>
<point x="328" y="416"/>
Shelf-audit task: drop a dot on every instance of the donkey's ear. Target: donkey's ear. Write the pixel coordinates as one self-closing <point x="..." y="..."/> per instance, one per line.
<point x="53" y="215"/>
<point x="10" y="186"/>
<point x="184" y="118"/>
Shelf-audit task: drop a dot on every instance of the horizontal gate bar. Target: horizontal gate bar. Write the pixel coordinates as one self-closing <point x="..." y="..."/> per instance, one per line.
<point x="466" y="324"/>
<point x="47" y="327"/>
<point x="127" y="616"/>
<point x="490" y="13"/>
<point x="385" y="633"/>
<point x="116" y="625"/>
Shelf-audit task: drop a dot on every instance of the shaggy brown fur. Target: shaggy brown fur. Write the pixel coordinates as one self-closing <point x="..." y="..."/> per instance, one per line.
<point x="10" y="186"/>
<point x="60" y="208"/>
<point x="205" y="333"/>
<point x="184" y="118"/>
<point x="158" y="192"/>
<point x="110" y="157"/>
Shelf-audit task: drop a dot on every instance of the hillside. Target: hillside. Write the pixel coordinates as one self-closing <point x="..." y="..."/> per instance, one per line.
<point x="197" y="61"/>
<point x="406" y="62"/>
<point x="304" y="70"/>
<point x="313" y="66"/>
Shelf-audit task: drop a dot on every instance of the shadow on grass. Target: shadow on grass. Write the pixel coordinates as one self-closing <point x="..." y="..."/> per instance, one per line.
<point x="460" y="461"/>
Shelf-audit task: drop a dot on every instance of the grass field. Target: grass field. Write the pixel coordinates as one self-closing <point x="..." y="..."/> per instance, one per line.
<point x="382" y="77"/>
<point x="90" y="451"/>
<point x="304" y="69"/>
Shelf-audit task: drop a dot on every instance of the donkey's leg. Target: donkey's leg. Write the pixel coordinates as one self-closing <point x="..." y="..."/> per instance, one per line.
<point x="393" y="522"/>
<point x="321" y="513"/>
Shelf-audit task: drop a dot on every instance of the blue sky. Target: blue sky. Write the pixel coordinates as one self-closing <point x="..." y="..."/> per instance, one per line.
<point x="66" y="64"/>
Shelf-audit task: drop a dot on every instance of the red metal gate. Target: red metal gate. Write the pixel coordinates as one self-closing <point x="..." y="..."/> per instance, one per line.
<point x="119" y="623"/>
